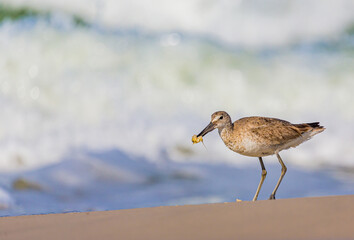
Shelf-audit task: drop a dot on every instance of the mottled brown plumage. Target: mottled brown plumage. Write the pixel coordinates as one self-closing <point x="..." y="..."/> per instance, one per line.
<point x="261" y="136"/>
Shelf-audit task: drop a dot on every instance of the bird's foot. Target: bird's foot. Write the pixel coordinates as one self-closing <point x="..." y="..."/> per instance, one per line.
<point x="272" y="197"/>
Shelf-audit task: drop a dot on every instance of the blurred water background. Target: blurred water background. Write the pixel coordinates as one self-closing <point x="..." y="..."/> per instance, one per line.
<point x="99" y="100"/>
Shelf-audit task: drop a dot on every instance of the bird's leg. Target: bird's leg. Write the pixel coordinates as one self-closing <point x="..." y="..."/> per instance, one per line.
<point x="264" y="174"/>
<point x="283" y="171"/>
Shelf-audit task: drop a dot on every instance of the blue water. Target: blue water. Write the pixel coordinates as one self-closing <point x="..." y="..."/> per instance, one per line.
<point x="100" y="115"/>
<point x="112" y="180"/>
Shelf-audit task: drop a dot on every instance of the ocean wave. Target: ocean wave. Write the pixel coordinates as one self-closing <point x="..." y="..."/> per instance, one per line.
<point x="67" y="89"/>
<point x="249" y="24"/>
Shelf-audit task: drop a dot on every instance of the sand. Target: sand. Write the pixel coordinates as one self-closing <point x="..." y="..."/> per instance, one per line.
<point x="302" y="218"/>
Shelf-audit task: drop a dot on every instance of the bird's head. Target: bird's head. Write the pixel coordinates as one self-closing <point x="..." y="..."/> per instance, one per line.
<point x="219" y="120"/>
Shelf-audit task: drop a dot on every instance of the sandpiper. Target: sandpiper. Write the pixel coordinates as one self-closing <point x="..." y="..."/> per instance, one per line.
<point x="260" y="137"/>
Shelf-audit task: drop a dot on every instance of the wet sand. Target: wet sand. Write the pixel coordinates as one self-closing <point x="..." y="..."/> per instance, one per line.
<point x="302" y="218"/>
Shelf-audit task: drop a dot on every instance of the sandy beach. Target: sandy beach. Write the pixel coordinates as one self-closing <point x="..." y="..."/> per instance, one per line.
<point x="302" y="218"/>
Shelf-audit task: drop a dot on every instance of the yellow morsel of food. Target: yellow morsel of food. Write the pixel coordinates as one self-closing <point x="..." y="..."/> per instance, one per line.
<point x="196" y="139"/>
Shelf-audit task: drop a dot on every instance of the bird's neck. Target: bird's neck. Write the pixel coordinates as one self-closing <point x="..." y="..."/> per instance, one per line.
<point x="226" y="128"/>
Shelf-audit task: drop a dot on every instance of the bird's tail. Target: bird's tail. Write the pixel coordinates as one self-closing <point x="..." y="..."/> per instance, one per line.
<point x="311" y="128"/>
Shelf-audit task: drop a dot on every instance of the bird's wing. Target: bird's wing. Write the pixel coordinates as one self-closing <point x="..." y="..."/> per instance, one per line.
<point x="273" y="130"/>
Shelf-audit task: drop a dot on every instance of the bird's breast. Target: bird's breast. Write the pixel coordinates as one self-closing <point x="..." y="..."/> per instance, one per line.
<point x="245" y="144"/>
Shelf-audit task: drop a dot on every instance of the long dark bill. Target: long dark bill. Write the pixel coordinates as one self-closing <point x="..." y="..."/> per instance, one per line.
<point x="207" y="129"/>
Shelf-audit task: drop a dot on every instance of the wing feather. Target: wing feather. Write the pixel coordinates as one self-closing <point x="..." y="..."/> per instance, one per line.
<point x="271" y="130"/>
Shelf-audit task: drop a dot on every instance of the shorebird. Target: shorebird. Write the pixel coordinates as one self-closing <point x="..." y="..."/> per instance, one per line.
<point x="260" y="137"/>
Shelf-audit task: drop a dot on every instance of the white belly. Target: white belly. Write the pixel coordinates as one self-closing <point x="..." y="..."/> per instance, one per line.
<point x="255" y="149"/>
<point x="250" y="148"/>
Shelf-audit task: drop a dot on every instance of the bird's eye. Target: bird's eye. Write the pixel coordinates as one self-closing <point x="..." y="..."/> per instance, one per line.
<point x="221" y="117"/>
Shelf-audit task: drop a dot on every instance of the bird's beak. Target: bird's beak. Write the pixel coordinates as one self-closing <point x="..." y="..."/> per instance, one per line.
<point x="211" y="126"/>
